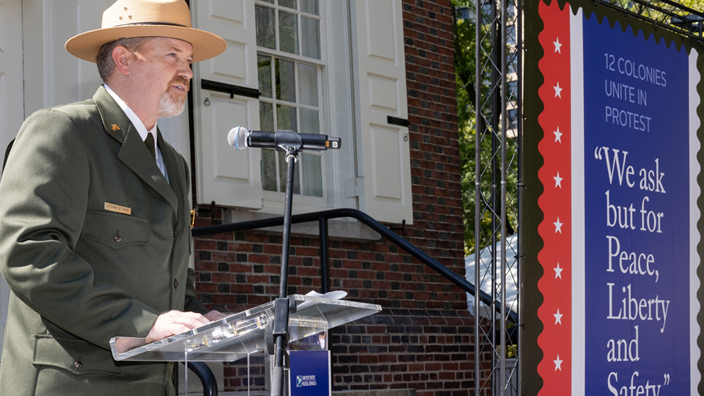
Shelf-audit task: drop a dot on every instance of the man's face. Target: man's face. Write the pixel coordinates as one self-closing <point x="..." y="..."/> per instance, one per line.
<point x="163" y="75"/>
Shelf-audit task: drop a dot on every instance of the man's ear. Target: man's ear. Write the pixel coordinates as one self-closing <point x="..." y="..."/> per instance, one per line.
<point x="123" y="58"/>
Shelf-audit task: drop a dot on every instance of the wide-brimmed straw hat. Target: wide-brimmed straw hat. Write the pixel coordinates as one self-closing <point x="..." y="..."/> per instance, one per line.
<point x="146" y="18"/>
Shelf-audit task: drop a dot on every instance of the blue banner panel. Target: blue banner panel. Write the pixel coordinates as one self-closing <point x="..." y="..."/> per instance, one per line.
<point x="636" y="176"/>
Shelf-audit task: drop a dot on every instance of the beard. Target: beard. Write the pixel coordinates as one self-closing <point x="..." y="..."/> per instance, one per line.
<point x="172" y="103"/>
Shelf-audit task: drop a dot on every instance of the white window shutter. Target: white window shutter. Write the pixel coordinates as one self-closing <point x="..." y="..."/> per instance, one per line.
<point x="381" y="85"/>
<point x="227" y="176"/>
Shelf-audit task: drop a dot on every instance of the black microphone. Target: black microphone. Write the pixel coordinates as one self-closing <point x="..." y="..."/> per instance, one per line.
<point x="241" y="138"/>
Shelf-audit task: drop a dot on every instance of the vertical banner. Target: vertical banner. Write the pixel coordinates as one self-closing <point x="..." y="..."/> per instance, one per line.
<point x="619" y="232"/>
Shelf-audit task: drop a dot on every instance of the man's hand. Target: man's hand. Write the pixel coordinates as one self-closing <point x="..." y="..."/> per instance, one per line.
<point x="175" y="322"/>
<point x="215" y="315"/>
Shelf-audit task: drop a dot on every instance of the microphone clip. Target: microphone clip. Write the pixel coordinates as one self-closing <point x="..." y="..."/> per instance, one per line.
<point x="288" y="141"/>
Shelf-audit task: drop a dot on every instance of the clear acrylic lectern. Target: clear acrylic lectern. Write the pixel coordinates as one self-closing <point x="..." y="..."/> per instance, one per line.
<point x="238" y="335"/>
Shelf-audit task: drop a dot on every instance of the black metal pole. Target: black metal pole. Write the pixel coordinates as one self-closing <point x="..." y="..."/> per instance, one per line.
<point x="281" y="316"/>
<point x="286" y="242"/>
<point x="496" y="111"/>
<point x="207" y="378"/>
<point x="324" y="255"/>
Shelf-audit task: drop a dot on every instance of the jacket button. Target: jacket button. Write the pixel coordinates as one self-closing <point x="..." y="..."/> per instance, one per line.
<point x="117" y="238"/>
<point x="175" y="283"/>
<point x="78" y="365"/>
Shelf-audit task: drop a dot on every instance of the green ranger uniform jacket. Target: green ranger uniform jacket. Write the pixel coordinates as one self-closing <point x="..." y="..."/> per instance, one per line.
<point x="94" y="243"/>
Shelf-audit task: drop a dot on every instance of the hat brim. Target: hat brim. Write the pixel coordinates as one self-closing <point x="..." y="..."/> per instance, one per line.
<point x="86" y="45"/>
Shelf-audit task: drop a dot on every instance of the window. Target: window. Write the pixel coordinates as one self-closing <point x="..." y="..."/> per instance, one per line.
<point x="463" y="13"/>
<point x="278" y="26"/>
<point x="311" y="66"/>
<point x="290" y="88"/>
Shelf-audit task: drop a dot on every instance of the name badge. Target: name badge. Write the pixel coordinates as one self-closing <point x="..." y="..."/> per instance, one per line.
<point x="118" y="209"/>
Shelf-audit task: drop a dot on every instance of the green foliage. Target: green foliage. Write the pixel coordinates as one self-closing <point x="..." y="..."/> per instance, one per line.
<point x="693" y="4"/>
<point x="465" y="71"/>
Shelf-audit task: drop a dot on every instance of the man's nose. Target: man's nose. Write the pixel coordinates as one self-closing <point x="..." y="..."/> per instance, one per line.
<point x="186" y="72"/>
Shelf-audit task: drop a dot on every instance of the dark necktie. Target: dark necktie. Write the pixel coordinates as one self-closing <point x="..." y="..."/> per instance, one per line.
<point x="149" y="141"/>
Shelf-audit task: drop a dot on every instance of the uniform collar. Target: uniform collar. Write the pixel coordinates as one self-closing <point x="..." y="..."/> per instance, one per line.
<point x="138" y="124"/>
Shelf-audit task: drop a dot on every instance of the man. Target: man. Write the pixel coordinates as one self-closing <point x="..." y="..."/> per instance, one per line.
<point x="94" y="216"/>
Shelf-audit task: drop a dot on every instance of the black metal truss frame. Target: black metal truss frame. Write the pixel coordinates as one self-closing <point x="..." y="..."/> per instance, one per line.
<point x="666" y="14"/>
<point x="498" y="131"/>
<point x="498" y="110"/>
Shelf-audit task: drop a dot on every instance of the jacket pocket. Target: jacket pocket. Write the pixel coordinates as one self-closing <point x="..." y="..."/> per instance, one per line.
<point x="75" y="356"/>
<point x="115" y="230"/>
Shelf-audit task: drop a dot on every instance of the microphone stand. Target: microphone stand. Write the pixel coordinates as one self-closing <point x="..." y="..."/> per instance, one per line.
<point x="291" y="144"/>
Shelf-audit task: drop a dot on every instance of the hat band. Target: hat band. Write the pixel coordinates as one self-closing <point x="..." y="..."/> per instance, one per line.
<point x="152" y="24"/>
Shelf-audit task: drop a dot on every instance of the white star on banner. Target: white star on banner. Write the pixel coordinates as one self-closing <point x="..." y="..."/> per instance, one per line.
<point x="558" y="45"/>
<point x="558" y="317"/>
<point x="558" y="135"/>
<point x="558" y="180"/>
<point x="558" y="363"/>
<point x="558" y="271"/>
<point x="558" y="226"/>
<point x="558" y="91"/>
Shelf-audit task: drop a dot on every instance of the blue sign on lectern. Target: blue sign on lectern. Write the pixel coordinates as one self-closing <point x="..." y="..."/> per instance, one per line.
<point x="310" y="373"/>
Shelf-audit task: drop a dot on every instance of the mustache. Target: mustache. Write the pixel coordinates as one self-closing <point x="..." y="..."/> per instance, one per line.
<point x="181" y="81"/>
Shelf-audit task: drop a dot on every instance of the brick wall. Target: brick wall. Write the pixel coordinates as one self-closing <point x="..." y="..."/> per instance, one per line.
<point x="423" y="338"/>
<point x="430" y="351"/>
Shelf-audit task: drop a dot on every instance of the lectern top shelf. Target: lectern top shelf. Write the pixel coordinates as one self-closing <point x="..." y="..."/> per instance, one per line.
<point x="243" y="333"/>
